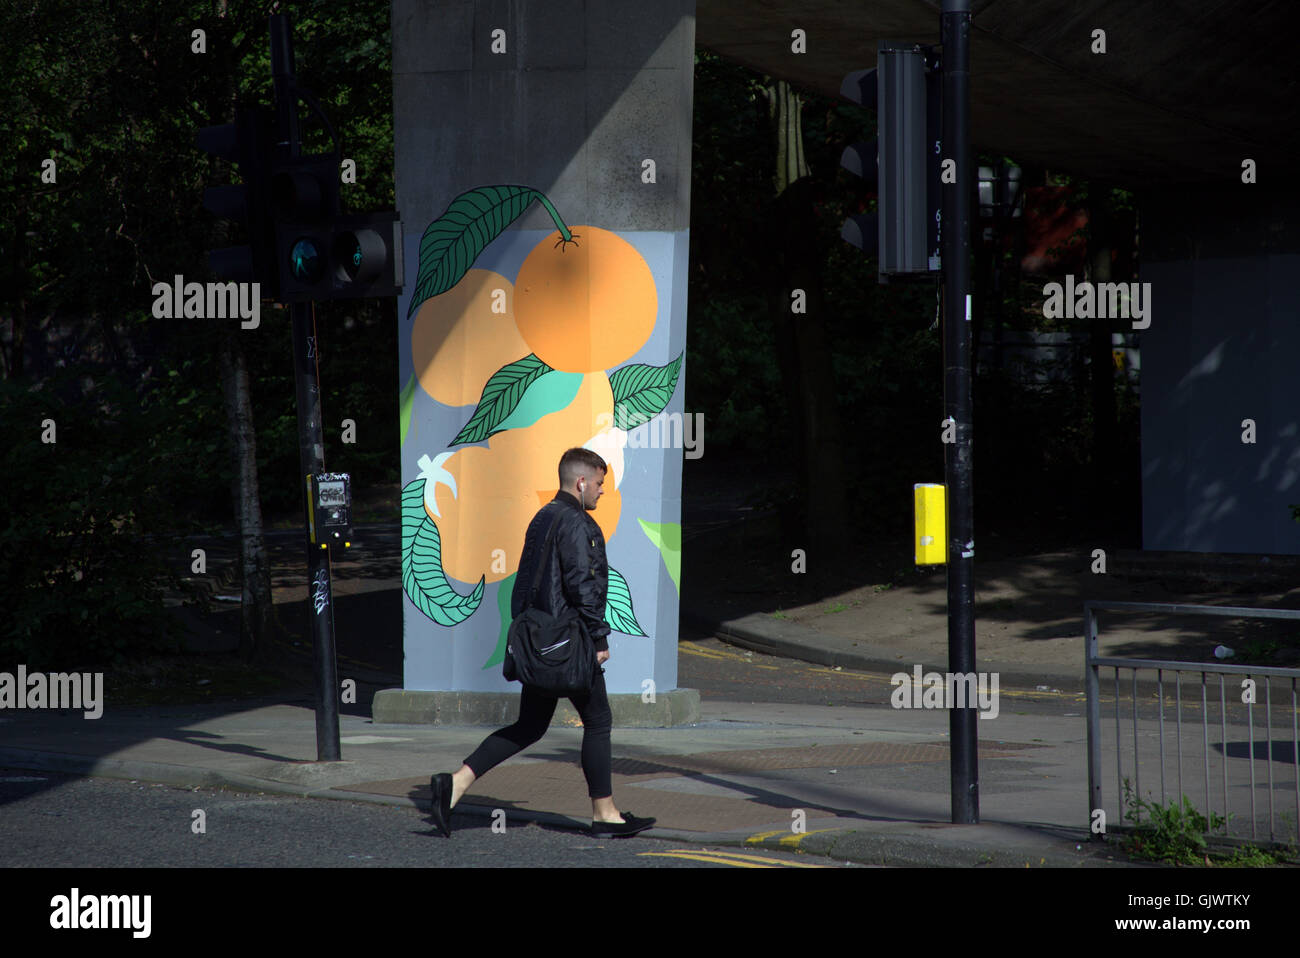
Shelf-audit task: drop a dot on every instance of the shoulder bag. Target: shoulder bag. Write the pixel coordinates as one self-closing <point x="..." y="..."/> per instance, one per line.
<point x="552" y="653"/>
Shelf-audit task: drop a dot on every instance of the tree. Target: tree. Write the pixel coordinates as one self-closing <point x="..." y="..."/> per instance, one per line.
<point x="885" y="377"/>
<point x="113" y="94"/>
<point x="797" y="308"/>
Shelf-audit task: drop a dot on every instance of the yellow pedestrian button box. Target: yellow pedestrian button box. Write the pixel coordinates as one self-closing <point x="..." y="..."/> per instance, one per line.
<point x="931" y="539"/>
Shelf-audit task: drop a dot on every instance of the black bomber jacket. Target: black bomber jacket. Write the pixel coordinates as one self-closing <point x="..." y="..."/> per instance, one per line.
<point x="581" y="579"/>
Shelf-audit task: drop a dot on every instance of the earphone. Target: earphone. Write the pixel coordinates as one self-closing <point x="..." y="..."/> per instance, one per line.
<point x="582" y="487"/>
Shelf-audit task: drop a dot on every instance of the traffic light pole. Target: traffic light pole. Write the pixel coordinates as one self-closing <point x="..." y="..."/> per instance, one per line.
<point x="320" y="607"/>
<point x="311" y="449"/>
<point x="963" y="736"/>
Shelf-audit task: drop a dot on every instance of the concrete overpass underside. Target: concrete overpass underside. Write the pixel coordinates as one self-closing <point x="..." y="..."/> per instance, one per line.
<point x="1185" y="91"/>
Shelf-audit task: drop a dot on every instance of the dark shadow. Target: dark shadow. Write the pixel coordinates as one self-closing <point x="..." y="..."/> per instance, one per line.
<point x="640" y="766"/>
<point x="206" y="740"/>
<point x="1282" y="752"/>
<point x="368" y="636"/>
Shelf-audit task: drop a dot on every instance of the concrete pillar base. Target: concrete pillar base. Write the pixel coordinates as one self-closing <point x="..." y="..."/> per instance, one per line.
<point x="411" y="707"/>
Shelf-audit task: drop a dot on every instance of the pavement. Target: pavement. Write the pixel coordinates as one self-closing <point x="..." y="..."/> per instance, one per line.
<point x="863" y="784"/>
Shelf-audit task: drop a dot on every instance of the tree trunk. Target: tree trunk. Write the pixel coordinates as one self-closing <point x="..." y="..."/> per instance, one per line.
<point x="257" y="613"/>
<point x="1101" y="359"/>
<point x="804" y="353"/>
<point x="14" y="361"/>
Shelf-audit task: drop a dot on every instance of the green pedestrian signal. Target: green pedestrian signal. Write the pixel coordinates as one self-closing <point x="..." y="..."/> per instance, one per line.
<point x="306" y="263"/>
<point x="323" y="253"/>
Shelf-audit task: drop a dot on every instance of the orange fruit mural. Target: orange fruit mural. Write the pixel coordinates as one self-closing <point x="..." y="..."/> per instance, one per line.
<point x="463" y="336"/>
<point x="500" y="488"/>
<point x="533" y="360"/>
<point x="585" y="304"/>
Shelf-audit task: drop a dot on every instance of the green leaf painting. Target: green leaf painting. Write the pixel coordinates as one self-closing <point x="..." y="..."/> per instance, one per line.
<point x="404" y="405"/>
<point x="502" y="393"/>
<point x="641" y="392"/>
<point x="422" y="577"/>
<point x="505" y="590"/>
<point x="471" y="221"/>
<point x="549" y="393"/>
<point x="618" y="606"/>
<point x="667" y="538"/>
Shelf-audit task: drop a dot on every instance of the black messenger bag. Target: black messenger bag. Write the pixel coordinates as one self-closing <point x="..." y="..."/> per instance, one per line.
<point x="552" y="653"/>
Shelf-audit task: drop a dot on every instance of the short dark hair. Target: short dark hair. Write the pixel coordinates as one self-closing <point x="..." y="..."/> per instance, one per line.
<point x="577" y="461"/>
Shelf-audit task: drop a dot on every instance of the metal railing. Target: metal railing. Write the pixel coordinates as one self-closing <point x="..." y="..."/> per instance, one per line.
<point x="1094" y="664"/>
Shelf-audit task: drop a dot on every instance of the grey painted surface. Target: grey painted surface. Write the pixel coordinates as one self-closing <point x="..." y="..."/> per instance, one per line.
<point x="1222" y="349"/>
<point x="1224" y="335"/>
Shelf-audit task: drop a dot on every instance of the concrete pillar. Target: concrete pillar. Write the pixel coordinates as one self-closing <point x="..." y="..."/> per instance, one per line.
<point x="548" y="145"/>
<point x="1220" y="450"/>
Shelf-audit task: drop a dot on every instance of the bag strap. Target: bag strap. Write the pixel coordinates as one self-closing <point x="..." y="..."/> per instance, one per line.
<point x="541" y="559"/>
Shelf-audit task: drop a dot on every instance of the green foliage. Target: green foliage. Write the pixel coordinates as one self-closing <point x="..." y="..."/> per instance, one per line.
<point x="425" y="583"/>
<point x="474" y="219"/>
<point x="113" y="93"/>
<point x="1258" y="651"/>
<point x="1175" y="833"/>
<point x="501" y="394"/>
<point x="731" y="353"/>
<point x="81" y="587"/>
<point x="734" y="379"/>
<point x="1252" y="857"/>
<point x="186" y="443"/>
<point x="641" y="391"/>
<point x="619" y="614"/>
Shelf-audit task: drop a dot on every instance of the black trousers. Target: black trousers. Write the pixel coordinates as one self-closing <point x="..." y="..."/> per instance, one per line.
<point x="535" y="711"/>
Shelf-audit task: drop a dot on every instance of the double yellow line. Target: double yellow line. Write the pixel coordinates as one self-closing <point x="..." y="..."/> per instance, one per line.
<point x="690" y="648"/>
<point x="735" y="859"/>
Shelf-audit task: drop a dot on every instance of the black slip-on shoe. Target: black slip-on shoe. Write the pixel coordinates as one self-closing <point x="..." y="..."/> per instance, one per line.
<point x="631" y="825"/>
<point x="440" y="786"/>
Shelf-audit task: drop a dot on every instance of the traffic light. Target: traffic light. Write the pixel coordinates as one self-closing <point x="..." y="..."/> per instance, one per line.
<point x="320" y="253"/>
<point x="904" y="160"/>
<point x="247" y="144"/>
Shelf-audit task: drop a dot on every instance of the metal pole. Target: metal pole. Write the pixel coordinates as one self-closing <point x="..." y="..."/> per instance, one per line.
<point x="1093" y="679"/>
<point x="311" y="447"/>
<point x="320" y="609"/>
<point x="955" y="33"/>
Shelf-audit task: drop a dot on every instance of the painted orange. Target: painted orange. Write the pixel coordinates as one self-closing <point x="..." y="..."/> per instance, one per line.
<point x="498" y="487"/>
<point x="585" y="305"/>
<point x="458" y="341"/>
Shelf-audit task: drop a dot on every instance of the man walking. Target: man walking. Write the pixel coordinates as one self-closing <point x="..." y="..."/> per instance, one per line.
<point x="575" y="576"/>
